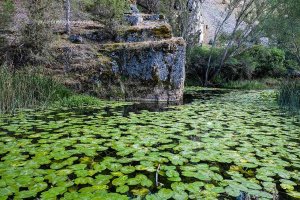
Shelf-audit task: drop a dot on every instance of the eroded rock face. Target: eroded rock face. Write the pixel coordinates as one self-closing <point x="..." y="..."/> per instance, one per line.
<point x="144" y="62"/>
<point x="151" y="70"/>
<point x="150" y="60"/>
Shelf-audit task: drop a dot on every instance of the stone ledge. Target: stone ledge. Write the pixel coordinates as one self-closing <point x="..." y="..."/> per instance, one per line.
<point x="145" y="32"/>
<point x="155" y="45"/>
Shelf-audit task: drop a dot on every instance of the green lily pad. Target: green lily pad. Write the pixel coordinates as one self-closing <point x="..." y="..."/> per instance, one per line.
<point x="140" y="192"/>
<point x="122" y="189"/>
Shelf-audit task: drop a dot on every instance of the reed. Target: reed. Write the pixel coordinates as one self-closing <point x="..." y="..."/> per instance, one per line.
<point x="289" y="95"/>
<point x="27" y="89"/>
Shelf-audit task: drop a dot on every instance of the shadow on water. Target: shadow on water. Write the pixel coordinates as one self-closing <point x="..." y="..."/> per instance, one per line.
<point x="188" y="98"/>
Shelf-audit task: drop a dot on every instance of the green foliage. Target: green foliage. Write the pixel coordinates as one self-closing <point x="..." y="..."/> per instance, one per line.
<point x="107" y="10"/>
<point x="256" y="62"/>
<point x="26" y="89"/>
<point x="211" y="148"/>
<point x="76" y="101"/>
<point x="270" y="61"/>
<point x="289" y="95"/>
<point x="32" y="46"/>
<point x="283" y="27"/>
<point x="6" y="11"/>
<point x="246" y="85"/>
<point x="198" y="58"/>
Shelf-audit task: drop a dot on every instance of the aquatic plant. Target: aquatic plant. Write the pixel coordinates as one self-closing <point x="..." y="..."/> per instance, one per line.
<point x="246" y="85"/>
<point x="26" y="89"/>
<point x="289" y="95"/>
<point x="214" y="148"/>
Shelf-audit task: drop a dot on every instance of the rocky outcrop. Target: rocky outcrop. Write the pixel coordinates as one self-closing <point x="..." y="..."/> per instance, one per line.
<point x="142" y="62"/>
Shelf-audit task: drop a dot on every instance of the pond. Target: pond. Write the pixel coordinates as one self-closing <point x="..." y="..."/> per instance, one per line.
<point x="219" y="145"/>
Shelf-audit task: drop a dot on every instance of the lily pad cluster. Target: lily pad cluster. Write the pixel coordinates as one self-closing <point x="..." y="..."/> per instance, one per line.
<point x="214" y="148"/>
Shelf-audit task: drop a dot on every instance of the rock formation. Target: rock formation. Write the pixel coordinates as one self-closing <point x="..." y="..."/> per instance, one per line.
<point x="142" y="62"/>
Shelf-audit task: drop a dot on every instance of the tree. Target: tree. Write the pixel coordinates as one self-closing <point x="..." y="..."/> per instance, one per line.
<point x="249" y="14"/>
<point x="283" y="28"/>
<point x="68" y="14"/>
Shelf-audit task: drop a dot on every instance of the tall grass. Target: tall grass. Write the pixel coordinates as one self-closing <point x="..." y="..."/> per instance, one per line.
<point x="27" y="89"/>
<point x="289" y="95"/>
<point x="259" y="84"/>
<point x="245" y="85"/>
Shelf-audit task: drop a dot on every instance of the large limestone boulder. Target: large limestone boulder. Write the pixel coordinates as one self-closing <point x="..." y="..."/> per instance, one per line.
<point x="151" y="70"/>
<point x="143" y="62"/>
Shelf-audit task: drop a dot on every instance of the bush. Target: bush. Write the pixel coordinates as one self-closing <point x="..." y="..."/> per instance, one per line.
<point x="198" y="58"/>
<point x="270" y="61"/>
<point x="6" y="10"/>
<point x="6" y="14"/>
<point x="107" y="10"/>
<point x="27" y="89"/>
<point x="289" y="95"/>
<point x="239" y="68"/>
<point x="31" y="46"/>
<point x="256" y="62"/>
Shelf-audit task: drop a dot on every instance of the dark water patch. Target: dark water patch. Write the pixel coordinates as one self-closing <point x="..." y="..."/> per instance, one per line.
<point x="192" y="96"/>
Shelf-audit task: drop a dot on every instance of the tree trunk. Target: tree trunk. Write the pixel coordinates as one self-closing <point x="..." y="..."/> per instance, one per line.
<point x="68" y="14"/>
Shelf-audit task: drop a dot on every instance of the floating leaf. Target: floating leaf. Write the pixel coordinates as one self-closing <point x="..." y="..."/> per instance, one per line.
<point x="165" y="193"/>
<point x="122" y="189"/>
<point x="140" y="192"/>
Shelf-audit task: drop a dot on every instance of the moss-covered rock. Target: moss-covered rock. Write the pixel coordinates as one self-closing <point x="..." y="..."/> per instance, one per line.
<point x="143" y="62"/>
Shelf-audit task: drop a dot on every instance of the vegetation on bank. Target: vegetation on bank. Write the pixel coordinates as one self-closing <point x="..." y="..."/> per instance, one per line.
<point x="258" y="62"/>
<point x="27" y="88"/>
<point x="226" y="146"/>
<point x="258" y="67"/>
<point x="289" y="95"/>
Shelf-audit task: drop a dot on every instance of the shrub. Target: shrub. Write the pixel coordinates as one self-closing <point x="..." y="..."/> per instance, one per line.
<point x="151" y="6"/>
<point x="32" y="43"/>
<point x="109" y="13"/>
<point x="107" y="10"/>
<point x="6" y="13"/>
<point x="6" y="10"/>
<point x="256" y="62"/>
<point x="241" y="67"/>
<point x="270" y="61"/>
<point x="27" y="89"/>
<point x="198" y="58"/>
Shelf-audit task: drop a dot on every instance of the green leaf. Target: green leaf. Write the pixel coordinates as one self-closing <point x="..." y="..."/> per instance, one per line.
<point x="122" y="189"/>
<point x="172" y="173"/>
<point x="128" y="169"/>
<point x="120" y="180"/>
<point x="140" y="192"/>
<point x="165" y="193"/>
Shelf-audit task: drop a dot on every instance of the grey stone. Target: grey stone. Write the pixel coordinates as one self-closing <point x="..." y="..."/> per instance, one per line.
<point x="134" y="19"/>
<point x="134" y="9"/>
<point x="76" y="39"/>
<point x="154" y="70"/>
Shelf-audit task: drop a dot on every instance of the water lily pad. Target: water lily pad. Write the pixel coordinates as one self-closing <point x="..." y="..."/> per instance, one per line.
<point x="120" y="181"/>
<point x="127" y="169"/>
<point x="165" y="193"/>
<point x="122" y="189"/>
<point x="140" y="192"/>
